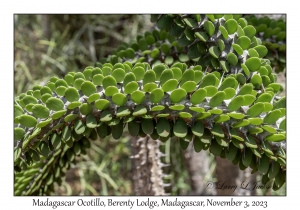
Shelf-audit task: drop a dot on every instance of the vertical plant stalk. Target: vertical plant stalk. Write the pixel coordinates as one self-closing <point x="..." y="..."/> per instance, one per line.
<point x="244" y="178"/>
<point x="197" y="165"/>
<point x="147" y="170"/>
<point x="227" y="174"/>
<point x="230" y="175"/>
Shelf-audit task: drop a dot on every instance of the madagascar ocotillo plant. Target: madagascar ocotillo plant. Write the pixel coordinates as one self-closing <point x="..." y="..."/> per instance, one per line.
<point x="272" y="32"/>
<point x="202" y="79"/>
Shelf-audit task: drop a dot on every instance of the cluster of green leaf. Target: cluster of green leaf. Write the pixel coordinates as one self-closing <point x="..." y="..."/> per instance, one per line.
<point x="272" y="32"/>
<point x="224" y="99"/>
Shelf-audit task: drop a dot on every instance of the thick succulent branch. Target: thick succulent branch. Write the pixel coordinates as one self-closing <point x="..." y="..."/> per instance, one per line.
<point x="147" y="167"/>
<point x="224" y="99"/>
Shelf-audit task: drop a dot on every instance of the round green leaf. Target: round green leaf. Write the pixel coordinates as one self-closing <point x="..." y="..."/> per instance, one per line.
<point x="123" y="111"/>
<point x="119" y="99"/>
<point x="139" y="110"/>
<point x="185" y="115"/>
<point x="276" y="137"/>
<point x="61" y="82"/>
<point x="223" y="31"/>
<point x="156" y="95"/>
<point x="209" y="27"/>
<point x="40" y="111"/>
<point x="255" y="121"/>
<point x="216" y="111"/>
<point x="93" y="97"/>
<point x="27" y="121"/>
<point x="263" y="71"/>
<point x="149" y="87"/>
<point x="96" y="71"/>
<point x="138" y="96"/>
<point x="236" y="103"/>
<point x="253" y="64"/>
<point x="256" y="80"/>
<point x="237" y="49"/>
<point x="177" y="107"/>
<point x="178" y="95"/>
<point x="129" y="77"/>
<point x="111" y="90"/>
<point x="86" y="108"/>
<point x="250" y="31"/>
<point x="169" y="85"/>
<point x="177" y="73"/>
<point x="102" y="104"/>
<point x="74" y="105"/>
<point x="72" y="94"/>
<point x="221" y="45"/>
<point x="61" y="90"/>
<point x="88" y="88"/>
<point x="235" y="115"/>
<point x="246" y="70"/>
<point x="241" y="123"/>
<point x="261" y="50"/>
<point x="265" y="97"/>
<point x="58" y="114"/>
<point x="256" y="109"/>
<point x="78" y="75"/>
<point x="109" y="81"/>
<point x="232" y="59"/>
<point x="157" y="108"/>
<point x="188" y="75"/>
<point x="138" y="72"/>
<point x="97" y="79"/>
<point x="244" y="42"/>
<point x="18" y="111"/>
<point x="69" y="79"/>
<point x="246" y="89"/>
<point x="231" y="26"/>
<point x="268" y="107"/>
<point x="180" y="128"/>
<point x="229" y="92"/>
<point x="268" y="128"/>
<point x="91" y="121"/>
<point x="19" y="133"/>
<point x="240" y="31"/>
<point x="214" y="51"/>
<point x="217" y="99"/>
<point x="29" y="100"/>
<point x="210" y="90"/>
<point x="198" y="96"/>
<point x="70" y="117"/>
<point x="202" y="36"/>
<point x="158" y="69"/>
<point x="272" y="116"/>
<point x="228" y="82"/>
<point x="209" y="79"/>
<point x="166" y="75"/>
<point x="130" y="87"/>
<point x="54" y="104"/>
<point x="283" y="124"/>
<point x="29" y="107"/>
<point x="197" y="109"/>
<point x="189" y="86"/>
<point x="78" y="82"/>
<point x="222" y="118"/>
<point x="249" y="99"/>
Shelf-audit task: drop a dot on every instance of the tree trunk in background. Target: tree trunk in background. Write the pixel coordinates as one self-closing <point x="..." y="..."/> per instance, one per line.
<point x="198" y="166"/>
<point x="230" y="175"/>
<point x="147" y="170"/>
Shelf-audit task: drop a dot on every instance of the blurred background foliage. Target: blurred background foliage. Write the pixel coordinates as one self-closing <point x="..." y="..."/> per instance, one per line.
<point x="51" y="45"/>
